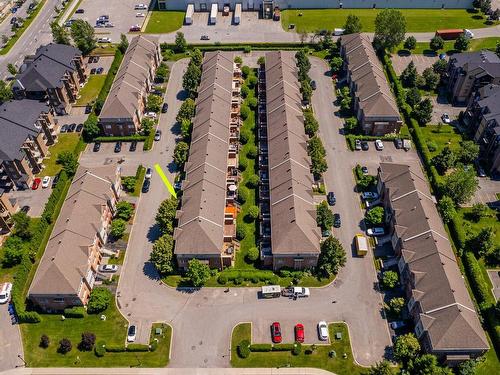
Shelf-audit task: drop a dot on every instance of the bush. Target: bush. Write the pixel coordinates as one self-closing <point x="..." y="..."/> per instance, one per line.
<point x="242" y="164"/>
<point x="65" y="346"/>
<point x="100" y="349"/>
<point x="252" y="103"/>
<point x="253" y="181"/>
<point x="252" y="213"/>
<point x="99" y="300"/>
<point x="238" y="281"/>
<point x="241" y="232"/>
<point x="118" y="227"/>
<point x="243" y="194"/>
<point x="44" y="341"/>
<point x="432" y="146"/>
<point x="153" y="346"/>
<point x="261" y="347"/>
<point x="28" y="317"/>
<point x="115" y="348"/>
<point x="253" y="255"/>
<point x="243" y="349"/>
<point x="244" y="136"/>
<point x="283" y="347"/>
<point x="244" y="111"/>
<point x="479" y="285"/>
<point x="297" y="349"/>
<point x="222" y="279"/>
<point x="244" y="91"/>
<point x="75" y="312"/>
<point x="245" y="70"/>
<point x="137" y="348"/>
<point x="252" y="152"/>
<point x="87" y="343"/>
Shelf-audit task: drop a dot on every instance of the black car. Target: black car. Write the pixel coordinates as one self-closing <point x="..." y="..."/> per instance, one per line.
<point x="93" y="70"/>
<point x="13" y="20"/>
<point x="96" y="59"/>
<point x="364" y="170"/>
<point x="164" y="108"/>
<point x="330" y="197"/>
<point x="145" y="186"/>
<point x="72" y="127"/>
<point x="54" y="180"/>
<point x="364" y="146"/>
<point x="99" y="70"/>
<point x="79" y="128"/>
<point x="25" y="209"/>
<point x="398" y="143"/>
<point x="97" y="146"/>
<point x="313" y="85"/>
<point x="133" y="146"/>
<point x="64" y="128"/>
<point x="88" y="109"/>
<point x="80" y="11"/>
<point x="336" y="221"/>
<point x="32" y="6"/>
<point x="118" y="146"/>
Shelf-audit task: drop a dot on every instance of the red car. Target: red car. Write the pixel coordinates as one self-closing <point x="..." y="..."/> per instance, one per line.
<point x="276" y="332"/>
<point x="299" y="333"/>
<point x="36" y="183"/>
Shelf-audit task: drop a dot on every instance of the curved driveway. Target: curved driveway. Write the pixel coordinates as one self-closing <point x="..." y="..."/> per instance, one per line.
<point x="202" y="320"/>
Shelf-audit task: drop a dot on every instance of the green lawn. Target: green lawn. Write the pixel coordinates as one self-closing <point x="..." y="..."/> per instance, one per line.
<point x="475" y="227"/>
<point x="162" y="22"/>
<point x="66" y="142"/>
<point x="417" y="20"/>
<point x="319" y="358"/>
<point x="113" y="331"/>
<point x="475" y="45"/>
<point x="91" y="89"/>
<point x="447" y="136"/>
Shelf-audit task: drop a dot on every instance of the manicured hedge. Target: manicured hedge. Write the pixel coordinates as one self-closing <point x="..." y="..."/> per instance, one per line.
<point x="242" y="47"/>
<point x="115" y="348"/>
<point x="479" y="285"/>
<point x="243" y="349"/>
<point x="261" y="347"/>
<point x="100" y="348"/>
<point x="75" y="312"/>
<point x="283" y="347"/>
<point x="457" y="231"/>
<point x="247" y="275"/>
<point x="137" y="348"/>
<point x="129" y="138"/>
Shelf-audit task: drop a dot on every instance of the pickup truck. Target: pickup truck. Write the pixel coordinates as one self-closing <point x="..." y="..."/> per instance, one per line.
<point x="294" y="291"/>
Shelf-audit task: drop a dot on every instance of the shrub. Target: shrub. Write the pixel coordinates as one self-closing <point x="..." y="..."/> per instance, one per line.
<point x="118" y="227"/>
<point x="390" y="279"/>
<point x="243" y="349"/>
<point x="65" y="346"/>
<point x="244" y="111"/>
<point x="252" y="152"/>
<point x="241" y="232"/>
<point x="244" y="91"/>
<point x="432" y="146"/>
<point x="254" y="280"/>
<point x="244" y="136"/>
<point x="137" y="348"/>
<point x="28" y="316"/>
<point x="75" y="312"/>
<point x="100" y="349"/>
<point x="243" y="194"/>
<point x="87" y="343"/>
<point x="283" y="347"/>
<point x="479" y="285"/>
<point x="238" y="281"/>
<point x="222" y="279"/>
<point x="245" y="70"/>
<point x="261" y="347"/>
<point x="243" y="164"/>
<point x="153" y="346"/>
<point x="99" y="300"/>
<point x="297" y="349"/>
<point x="252" y="103"/>
<point x="253" y="254"/>
<point x="115" y="348"/>
<point x="252" y="213"/>
<point x="44" y="341"/>
<point x="253" y="181"/>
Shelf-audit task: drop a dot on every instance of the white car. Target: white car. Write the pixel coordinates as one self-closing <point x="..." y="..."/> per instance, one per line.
<point x="369" y="195"/>
<point x="378" y="231"/>
<point x="157" y="135"/>
<point x="5" y="291"/>
<point x="108" y="268"/>
<point x="446" y="118"/>
<point x="469" y="34"/>
<point x="357" y="145"/>
<point x="151" y="115"/>
<point x="140" y="15"/>
<point x="141" y="7"/>
<point x="131" y="334"/>
<point x="323" y="331"/>
<point x="379" y="145"/>
<point x="104" y="40"/>
<point x="46" y="182"/>
<point x="149" y="173"/>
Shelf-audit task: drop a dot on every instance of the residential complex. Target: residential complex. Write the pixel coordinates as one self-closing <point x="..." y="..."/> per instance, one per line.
<point x="27" y="129"/>
<point x="373" y="102"/>
<point x="53" y="74"/>
<point x="124" y="107"/>
<point x="289" y="213"/>
<point x="66" y="274"/>
<point x="207" y="217"/>
<point x="8" y="207"/>
<point x="445" y="318"/>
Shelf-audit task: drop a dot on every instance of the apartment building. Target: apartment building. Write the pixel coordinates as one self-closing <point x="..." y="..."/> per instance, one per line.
<point x="124" y="107"/>
<point x="373" y="102"/>
<point x="446" y="322"/>
<point x="8" y="207"/>
<point x="53" y="74"/>
<point x="483" y="118"/>
<point x="207" y="217"/>
<point x="67" y="271"/>
<point x="27" y="129"/>
<point x="289" y="212"/>
<point x="469" y="71"/>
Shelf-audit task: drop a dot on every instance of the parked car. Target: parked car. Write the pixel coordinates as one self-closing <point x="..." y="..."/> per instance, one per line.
<point x="133" y="146"/>
<point x="104" y="17"/>
<point x="364" y="169"/>
<point x="146" y="185"/>
<point x="79" y="128"/>
<point x="149" y="173"/>
<point x="205" y="37"/>
<point x="164" y="108"/>
<point x="379" y="145"/>
<point x="93" y="70"/>
<point x="446" y="118"/>
<point x="72" y="127"/>
<point x="108" y="268"/>
<point x="134" y="28"/>
<point x="442" y="56"/>
<point x="326" y="233"/>
<point x="336" y="221"/>
<point x="45" y="182"/>
<point x="131" y="334"/>
<point x="323" y="331"/>
<point x="80" y="11"/>
<point x="480" y="170"/>
<point x="13" y="20"/>
<point x="140" y="7"/>
<point x="157" y="135"/>
<point x="36" y="183"/>
<point x="364" y="146"/>
<point x="369" y="195"/>
<point x="88" y="109"/>
<point x="296" y="291"/>
<point x="55" y="180"/>
<point x="64" y="129"/>
<point x="397" y="324"/>
<point x="140" y="15"/>
<point x="5" y="291"/>
<point x="151" y="115"/>
<point x="313" y="85"/>
<point x="104" y="40"/>
<point x="377" y="231"/>
<point x="330" y="197"/>
<point x="99" y="70"/>
<point x="299" y="333"/>
<point x="357" y="145"/>
<point x="276" y="332"/>
<point x="109" y="24"/>
<point x="118" y="146"/>
<point x="97" y="146"/>
<point x="25" y="209"/>
<point x="398" y="143"/>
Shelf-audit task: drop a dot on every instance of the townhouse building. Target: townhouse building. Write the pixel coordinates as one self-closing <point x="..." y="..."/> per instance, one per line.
<point x="67" y="271"/>
<point x="123" y="110"/>
<point x="8" y="207"/>
<point x="27" y="129"/>
<point x="446" y="322"/>
<point x="373" y="103"/>
<point x="53" y="74"/>
<point x="207" y="217"/>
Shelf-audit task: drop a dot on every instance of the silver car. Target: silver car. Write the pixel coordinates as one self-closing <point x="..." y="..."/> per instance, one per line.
<point x="323" y="331"/>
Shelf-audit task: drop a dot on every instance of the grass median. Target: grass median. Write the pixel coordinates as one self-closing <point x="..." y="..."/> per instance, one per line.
<point x="65" y="142"/>
<point x="91" y="89"/>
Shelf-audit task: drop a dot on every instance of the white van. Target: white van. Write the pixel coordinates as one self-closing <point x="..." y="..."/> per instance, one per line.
<point x="5" y="292"/>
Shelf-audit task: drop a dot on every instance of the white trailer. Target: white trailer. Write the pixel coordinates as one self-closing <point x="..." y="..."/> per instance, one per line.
<point x="189" y="14"/>
<point x="213" y="13"/>
<point x="237" y="14"/>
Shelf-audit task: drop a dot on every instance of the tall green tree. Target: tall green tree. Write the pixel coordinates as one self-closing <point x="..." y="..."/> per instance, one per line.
<point x="11" y="68"/>
<point x="123" y="43"/>
<point x="445" y="160"/>
<point x="440" y="66"/>
<point x="59" y="34"/>
<point x="381" y="368"/>
<point x="375" y="216"/>
<point x="162" y="254"/>
<point x="22" y="225"/>
<point x="197" y="272"/>
<point x="91" y="127"/>
<point x="460" y="185"/>
<point x="197" y="57"/>
<point x="436" y="43"/>
<point x="406" y="347"/>
<point x="332" y="256"/>
<point x="423" y="111"/>
<point x="413" y="96"/>
<point x="181" y="152"/>
<point x="186" y="111"/>
<point x="410" y="43"/>
<point x="431" y="78"/>
<point x="352" y="25"/>
<point x="69" y="162"/>
<point x="180" y="43"/>
<point x="191" y="78"/>
<point x="390" y="29"/>
<point x="409" y="75"/>
<point x="447" y="208"/>
<point x="83" y="36"/>
<point x="124" y="210"/>
<point x="462" y="43"/>
<point x="324" y="216"/>
<point x="166" y="215"/>
<point x="468" y="152"/>
<point x="5" y="92"/>
<point x="427" y="365"/>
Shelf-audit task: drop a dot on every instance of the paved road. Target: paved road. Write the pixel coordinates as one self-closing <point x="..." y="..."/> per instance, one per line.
<point x="10" y="342"/>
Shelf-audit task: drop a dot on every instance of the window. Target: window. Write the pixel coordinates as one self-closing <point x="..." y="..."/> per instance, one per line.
<point x="419" y="329"/>
<point x="411" y="303"/>
<point x="58" y="300"/>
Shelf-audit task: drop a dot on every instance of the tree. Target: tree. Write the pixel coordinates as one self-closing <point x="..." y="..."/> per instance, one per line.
<point x="253" y="254"/>
<point x="253" y="181"/>
<point x="181" y="152"/>
<point x="460" y="185"/>
<point x="253" y="212"/>
<point x="245" y="71"/>
<point x="409" y="75"/>
<point x="124" y="210"/>
<point x="381" y="368"/>
<point x="161" y="72"/>
<point x="390" y="279"/>
<point x="162" y="254"/>
<point x="462" y="43"/>
<point x="413" y="96"/>
<point x="396" y="304"/>
<point x="44" y="341"/>
<point x="123" y="43"/>
<point x="198" y="272"/>
<point x="436" y="43"/>
<point x="147" y="125"/>
<point x="13" y="249"/>
<point x="440" y="66"/>
<point x="423" y="112"/>
<point x="99" y="301"/>
<point x="427" y="365"/>
<point x="59" y="34"/>
<point x="336" y="64"/>
<point x="65" y="346"/>
<point x="5" y="92"/>
<point x="431" y="78"/>
<point x="191" y="78"/>
<point x="306" y="90"/>
<point x="261" y="60"/>
<point x="410" y="43"/>
<point x="180" y="43"/>
<point x="447" y="208"/>
<point x="390" y="28"/>
<point x="406" y="347"/>
<point x="332" y="256"/>
<point x="186" y="111"/>
<point x="186" y="127"/>
<point x="351" y="124"/>
<point x="69" y="162"/>
<point x="324" y="216"/>
<point x="154" y="103"/>
<point x="303" y="62"/>
<point x="467" y="367"/>
<point x="118" y="227"/>
<point x="22" y="225"/>
<point x="166" y="215"/>
<point x="445" y="160"/>
<point x="484" y="241"/>
<point x="12" y="69"/>
<point x="479" y="210"/>
<point x="83" y="36"/>
<point x="128" y="183"/>
<point x="311" y="125"/>
<point x="375" y="216"/>
<point x="485" y="6"/>
<point x="87" y="343"/>
<point x="91" y="127"/>
<point x="468" y="152"/>
<point x="352" y="25"/>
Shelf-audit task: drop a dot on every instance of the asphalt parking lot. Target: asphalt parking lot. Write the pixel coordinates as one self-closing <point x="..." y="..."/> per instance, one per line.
<point x="487" y="192"/>
<point x="35" y="199"/>
<point x="104" y="62"/>
<point x="123" y="16"/>
<point x="400" y="62"/>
